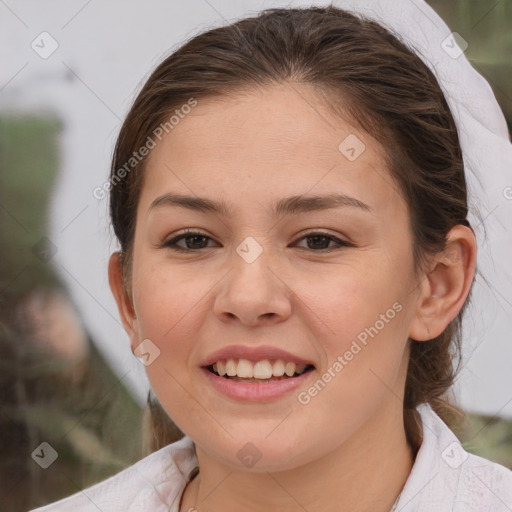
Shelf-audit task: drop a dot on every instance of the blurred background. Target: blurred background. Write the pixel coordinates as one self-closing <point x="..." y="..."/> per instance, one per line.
<point x="70" y="71"/>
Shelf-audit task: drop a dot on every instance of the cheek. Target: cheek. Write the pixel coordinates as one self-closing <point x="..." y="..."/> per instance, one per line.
<point x="169" y="312"/>
<point x="165" y="298"/>
<point x="367" y="314"/>
<point x="365" y="350"/>
<point x="361" y="302"/>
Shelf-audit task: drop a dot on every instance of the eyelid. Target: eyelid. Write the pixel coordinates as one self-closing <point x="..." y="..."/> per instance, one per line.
<point x="318" y="232"/>
<point x="171" y="243"/>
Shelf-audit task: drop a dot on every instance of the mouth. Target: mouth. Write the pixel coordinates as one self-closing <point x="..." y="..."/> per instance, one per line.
<point x="261" y="371"/>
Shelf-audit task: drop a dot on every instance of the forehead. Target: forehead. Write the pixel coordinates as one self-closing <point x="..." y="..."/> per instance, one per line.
<point x="263" y="143"/>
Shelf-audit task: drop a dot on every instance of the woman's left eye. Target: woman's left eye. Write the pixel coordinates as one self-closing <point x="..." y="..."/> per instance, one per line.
<point x="195" y="240"/>
<point x="322" y="240"/>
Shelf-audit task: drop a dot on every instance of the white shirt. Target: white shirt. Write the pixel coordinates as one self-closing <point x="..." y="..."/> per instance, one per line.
<point x="444" y="478"/>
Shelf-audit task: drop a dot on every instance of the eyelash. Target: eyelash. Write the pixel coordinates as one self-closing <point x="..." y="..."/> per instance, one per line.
<point x="171" y="244"/>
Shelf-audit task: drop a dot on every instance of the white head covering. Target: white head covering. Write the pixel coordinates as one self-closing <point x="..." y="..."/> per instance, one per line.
<point x="487" y="153"/>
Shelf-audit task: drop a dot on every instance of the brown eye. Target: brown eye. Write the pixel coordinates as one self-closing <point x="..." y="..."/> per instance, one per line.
<point x="320" y="241"/>
<point x="193" y="240"/>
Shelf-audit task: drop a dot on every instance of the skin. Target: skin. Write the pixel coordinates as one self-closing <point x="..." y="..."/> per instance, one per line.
<point x="346" y="449"/>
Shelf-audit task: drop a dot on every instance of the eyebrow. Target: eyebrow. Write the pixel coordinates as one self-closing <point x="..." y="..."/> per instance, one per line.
<point x="287" y="206"/>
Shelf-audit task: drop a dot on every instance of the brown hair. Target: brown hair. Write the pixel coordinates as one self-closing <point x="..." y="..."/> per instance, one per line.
<point x="361" y="70"/>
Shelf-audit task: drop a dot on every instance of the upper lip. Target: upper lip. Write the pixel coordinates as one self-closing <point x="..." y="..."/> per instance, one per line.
<point x="253" y="354"/>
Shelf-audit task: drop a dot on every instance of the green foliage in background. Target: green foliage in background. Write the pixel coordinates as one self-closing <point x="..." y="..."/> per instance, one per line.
<point x="489" y="437"/>
<point x="81" y="409"/>
<point x="28" y="170"/>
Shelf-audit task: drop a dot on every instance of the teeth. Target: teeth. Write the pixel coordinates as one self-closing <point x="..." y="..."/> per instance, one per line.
<point x="289" y="369"/>
<point x="244" y="369"/>
<point x="230" y="367"/>
<point x="278" y="368"/>
<point x="263" y="369"/>
<point x="300" y="368"/>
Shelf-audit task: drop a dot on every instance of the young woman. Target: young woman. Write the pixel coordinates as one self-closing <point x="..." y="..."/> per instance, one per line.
<point x="289" y="195"/>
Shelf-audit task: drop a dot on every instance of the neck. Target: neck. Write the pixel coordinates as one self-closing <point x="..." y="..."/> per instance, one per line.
<point x="366" y="473"/>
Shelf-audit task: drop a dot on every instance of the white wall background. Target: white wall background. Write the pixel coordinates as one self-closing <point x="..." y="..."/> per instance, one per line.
<point x="105" y="50"/>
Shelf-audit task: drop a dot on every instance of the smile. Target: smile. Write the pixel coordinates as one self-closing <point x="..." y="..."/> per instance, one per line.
<point x="254" y="389"/>
<point x="244" y="370"/>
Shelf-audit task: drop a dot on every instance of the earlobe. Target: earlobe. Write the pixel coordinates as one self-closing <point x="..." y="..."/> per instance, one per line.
<point x="124" y="303"/>
<point x="447" y="285"/>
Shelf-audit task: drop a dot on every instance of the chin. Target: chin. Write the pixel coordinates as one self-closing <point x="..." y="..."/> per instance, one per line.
<point x="258" y="454"/>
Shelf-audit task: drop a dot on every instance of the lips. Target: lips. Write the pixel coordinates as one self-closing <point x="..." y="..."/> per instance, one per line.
<point x="260" y="370"/>
<point x="266" y="370"/>
<point x="245" y="390"/>
<point x="254" y="354"/>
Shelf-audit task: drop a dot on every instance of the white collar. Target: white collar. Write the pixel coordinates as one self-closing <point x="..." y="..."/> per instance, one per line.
<point x="444" y="478"/>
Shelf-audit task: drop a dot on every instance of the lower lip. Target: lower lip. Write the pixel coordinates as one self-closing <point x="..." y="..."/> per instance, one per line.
<point x="254" y="391"/>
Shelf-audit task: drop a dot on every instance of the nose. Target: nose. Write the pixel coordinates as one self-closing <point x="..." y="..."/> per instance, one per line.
<point x="253" y="293"/>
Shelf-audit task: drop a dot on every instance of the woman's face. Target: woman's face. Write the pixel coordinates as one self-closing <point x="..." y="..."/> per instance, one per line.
<point x="318" y="281"/>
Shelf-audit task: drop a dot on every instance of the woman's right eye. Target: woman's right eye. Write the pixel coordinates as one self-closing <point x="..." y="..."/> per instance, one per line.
<point x="192" y="240"/>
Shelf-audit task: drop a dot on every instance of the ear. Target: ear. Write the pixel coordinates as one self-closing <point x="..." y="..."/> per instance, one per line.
<point x="444" y="289"/>
<point x="124" y="302"/>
